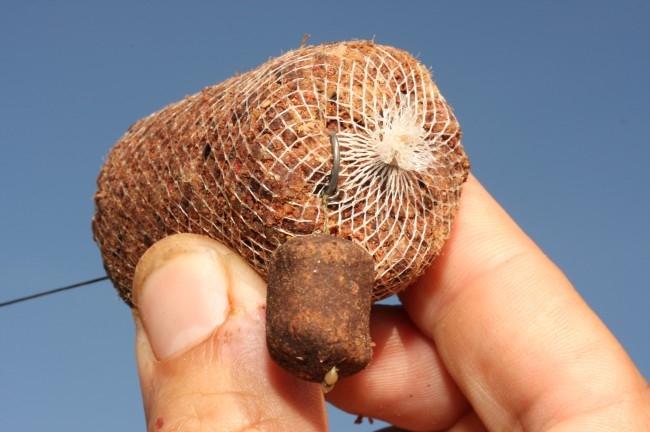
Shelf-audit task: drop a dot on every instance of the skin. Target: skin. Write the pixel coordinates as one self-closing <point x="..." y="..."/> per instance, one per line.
<point x="492" y="337"/>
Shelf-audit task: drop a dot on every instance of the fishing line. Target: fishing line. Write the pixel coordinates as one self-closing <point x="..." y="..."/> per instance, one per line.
<point x="53" y="291"/>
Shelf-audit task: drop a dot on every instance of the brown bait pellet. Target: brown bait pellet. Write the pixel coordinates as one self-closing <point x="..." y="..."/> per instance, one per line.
<point x="318" y="307"/>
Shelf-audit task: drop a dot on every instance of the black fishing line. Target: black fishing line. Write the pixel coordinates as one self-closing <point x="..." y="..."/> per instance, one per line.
<point x="53" y="291"/>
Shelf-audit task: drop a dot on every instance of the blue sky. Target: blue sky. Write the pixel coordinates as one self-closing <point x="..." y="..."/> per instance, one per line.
<point x="553" y="98"/>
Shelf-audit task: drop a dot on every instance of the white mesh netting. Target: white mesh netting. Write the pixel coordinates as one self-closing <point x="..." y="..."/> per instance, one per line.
<point x="245" y="162"/>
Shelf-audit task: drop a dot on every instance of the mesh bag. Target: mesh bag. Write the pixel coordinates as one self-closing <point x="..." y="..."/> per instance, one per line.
<point x="246" y="162"/>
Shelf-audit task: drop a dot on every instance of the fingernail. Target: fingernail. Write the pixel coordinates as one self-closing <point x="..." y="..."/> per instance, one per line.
<point x="182" y="299"/>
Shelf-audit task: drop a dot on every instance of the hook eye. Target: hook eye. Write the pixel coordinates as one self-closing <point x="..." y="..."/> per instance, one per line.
<point x="336" y="165"/>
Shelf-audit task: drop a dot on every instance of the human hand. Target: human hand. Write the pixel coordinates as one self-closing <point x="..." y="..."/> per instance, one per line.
<point x="492" y="337"/>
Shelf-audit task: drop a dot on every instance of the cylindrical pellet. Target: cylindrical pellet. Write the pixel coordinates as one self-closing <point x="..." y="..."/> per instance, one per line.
<point x="318" y="306"/>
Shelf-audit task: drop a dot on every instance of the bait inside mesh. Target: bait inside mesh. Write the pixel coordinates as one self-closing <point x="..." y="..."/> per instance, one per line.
<point x="246" y="162"/>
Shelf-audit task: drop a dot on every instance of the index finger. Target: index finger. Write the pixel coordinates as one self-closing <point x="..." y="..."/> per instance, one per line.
<point x="522" y="345"/>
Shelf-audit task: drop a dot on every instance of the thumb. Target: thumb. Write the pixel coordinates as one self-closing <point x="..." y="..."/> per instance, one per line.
<point x="200" y="345"/>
